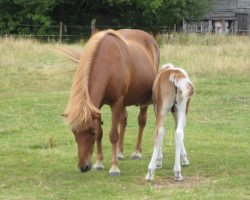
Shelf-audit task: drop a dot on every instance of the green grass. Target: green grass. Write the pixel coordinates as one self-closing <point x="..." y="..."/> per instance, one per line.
<point x="38" y="153"/>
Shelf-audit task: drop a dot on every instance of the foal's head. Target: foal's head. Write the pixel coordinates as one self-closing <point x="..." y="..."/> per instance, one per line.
<point x="85" y="140"/>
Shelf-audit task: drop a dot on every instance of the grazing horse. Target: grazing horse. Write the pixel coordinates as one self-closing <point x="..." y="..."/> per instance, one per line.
<point x="172" y="91"/>
<point x="117" y="68"/>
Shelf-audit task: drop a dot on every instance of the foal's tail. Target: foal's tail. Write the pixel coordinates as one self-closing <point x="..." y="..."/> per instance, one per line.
<point x="180" y="79"/>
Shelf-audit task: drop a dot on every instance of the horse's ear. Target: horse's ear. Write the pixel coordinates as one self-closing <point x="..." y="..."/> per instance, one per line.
<point x="96" y="115"/>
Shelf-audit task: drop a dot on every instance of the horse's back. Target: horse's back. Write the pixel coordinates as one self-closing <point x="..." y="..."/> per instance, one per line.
<point x="145" y="40"/>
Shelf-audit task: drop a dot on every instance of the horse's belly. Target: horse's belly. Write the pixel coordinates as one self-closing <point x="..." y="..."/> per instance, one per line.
<point x="139" y="94"/>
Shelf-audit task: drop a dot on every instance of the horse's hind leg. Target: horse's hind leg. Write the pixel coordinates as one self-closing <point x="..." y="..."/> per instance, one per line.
<point x="142" y="118"/>
<point x="99" y="165"/>
<point x="157" y="152"/>
<point x="179" y="138"/>
<point x="183" y="156"/>
<point x="123" y="123"/>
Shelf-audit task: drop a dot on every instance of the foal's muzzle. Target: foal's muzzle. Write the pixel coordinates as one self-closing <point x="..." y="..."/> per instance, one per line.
<point x="85" y="168"/>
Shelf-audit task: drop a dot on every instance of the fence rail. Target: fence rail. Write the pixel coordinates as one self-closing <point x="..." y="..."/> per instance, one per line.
<point x="65" y="33"/>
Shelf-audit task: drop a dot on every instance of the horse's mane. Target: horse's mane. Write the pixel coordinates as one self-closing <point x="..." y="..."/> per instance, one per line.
<point x="80" y="110"/>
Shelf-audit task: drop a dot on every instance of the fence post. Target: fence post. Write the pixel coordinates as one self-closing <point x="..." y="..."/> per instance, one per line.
<point x="61" y="32"/>
<point x="249" y="29"/>
<point x="93" y="28"/>
<point x="184" y="26"/>
<point x="174" y="32"/>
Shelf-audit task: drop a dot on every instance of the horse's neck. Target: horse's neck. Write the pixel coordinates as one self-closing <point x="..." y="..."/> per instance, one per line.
<point x="97" y="86"/>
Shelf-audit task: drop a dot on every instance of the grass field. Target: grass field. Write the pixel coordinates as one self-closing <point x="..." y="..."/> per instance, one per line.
<point x="38" y="153"/>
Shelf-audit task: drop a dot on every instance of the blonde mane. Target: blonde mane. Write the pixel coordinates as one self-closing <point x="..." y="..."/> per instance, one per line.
<point x="80" y="109"/>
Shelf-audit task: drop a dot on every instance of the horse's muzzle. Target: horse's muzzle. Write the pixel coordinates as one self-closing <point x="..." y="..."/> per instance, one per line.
<point x="85" y="168"/>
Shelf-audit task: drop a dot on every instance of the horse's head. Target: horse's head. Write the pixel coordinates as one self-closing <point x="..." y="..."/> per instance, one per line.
<point x="85" y="140"/>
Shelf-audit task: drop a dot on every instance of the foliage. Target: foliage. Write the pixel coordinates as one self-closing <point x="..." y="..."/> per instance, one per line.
<point x="36" y="17"/>
<point x="25" y="16"/>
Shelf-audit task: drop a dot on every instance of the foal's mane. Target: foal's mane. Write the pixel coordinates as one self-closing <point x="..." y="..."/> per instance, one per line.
<point x="81" y="110"/>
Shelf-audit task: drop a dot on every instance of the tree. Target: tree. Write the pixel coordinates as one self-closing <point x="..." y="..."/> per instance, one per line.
<point x="25" y="16"/>
<point x="36" y="17"/>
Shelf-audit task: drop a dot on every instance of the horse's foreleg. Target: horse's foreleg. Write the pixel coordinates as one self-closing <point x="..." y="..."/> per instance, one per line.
<point x="99" y="165"/>
<point x="156" y="158"/>
<point x="142" y="119"/>
<point x="123" y="123"/>
<point x="179" y="139"/>
<point x="117" y="109"/>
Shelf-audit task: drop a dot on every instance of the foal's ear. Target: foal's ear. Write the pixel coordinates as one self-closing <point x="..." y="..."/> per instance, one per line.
<point x="96" y="115"/>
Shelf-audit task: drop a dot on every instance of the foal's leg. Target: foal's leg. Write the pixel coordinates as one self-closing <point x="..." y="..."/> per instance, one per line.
<point x="117" y="109"/>
<point x="184" y="160"/>
<point x="142" y="119"/>
<point x="179" y="137"/>
<point x="123" y="123"/>
<point x="99" y="165"/>
<point x="157" y="152"/>
<point x="160" y="155"/>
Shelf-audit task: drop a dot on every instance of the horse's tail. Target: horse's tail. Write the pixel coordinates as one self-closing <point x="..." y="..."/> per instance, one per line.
<point x="180" y="79"/>
<point x="81" y="110"/>
<point x="70" y="53"/>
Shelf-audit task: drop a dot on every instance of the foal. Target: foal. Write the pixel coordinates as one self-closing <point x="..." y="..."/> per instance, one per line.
<point x="172" y="90"/>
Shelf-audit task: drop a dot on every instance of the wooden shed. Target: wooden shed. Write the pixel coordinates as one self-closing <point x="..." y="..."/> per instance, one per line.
<point x="225" y="17"/>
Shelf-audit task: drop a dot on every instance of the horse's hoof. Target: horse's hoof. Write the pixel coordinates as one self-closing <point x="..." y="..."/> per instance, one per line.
<point x="114" y="173"/>
<point x="178" y="177"/>
<point x="149" y="176"/>
<point x="136" y="156"/>
<point x="98" y="167"/>
<point x="120" y="156"/>
<point x="159" y="164"/>
<point x="185" y="164"/>
<point x="184" y="161"/>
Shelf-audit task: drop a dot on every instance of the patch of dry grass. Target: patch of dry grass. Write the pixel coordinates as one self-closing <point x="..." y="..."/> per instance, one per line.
<point x="210" y="55"/>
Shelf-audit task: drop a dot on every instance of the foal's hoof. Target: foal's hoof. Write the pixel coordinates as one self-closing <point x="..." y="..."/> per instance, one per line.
<point x="114" y="173"/>
<point x="184" y="161"/>
<point x="178" y="177"/>
<point x="136" y="156"/>
<point x="184" y="164"/>
<point x="149" y="176"/>
<point x="159" y="164"/>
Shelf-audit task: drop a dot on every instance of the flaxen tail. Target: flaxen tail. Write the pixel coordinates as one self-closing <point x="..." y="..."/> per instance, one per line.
<point x="81" y="110"/>
<point x="70" y="53"/>
<point x="180" y="79"/>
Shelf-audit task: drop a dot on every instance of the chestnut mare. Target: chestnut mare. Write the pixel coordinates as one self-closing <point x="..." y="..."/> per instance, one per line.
<point x="172" y="91"/>
<point x="117" y="68"/>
